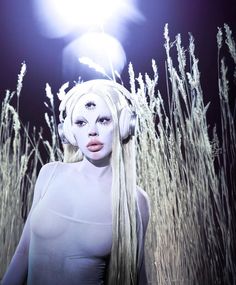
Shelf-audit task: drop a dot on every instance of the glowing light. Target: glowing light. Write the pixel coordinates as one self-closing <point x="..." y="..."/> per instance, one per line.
<point x="57" y="18"/>
<point x="102" y="49"/>
<point x="70" y="18"/>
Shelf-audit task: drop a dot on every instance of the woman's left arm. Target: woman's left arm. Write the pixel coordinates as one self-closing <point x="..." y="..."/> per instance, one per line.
<point x="144" y="208"/>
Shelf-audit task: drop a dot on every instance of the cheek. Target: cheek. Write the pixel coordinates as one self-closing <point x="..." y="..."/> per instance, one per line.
<point x="80" y="135"/>
<point x="108" y="136"/>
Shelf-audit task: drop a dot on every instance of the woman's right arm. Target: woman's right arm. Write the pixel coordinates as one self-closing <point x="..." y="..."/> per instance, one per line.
<point x="16" y="273"/>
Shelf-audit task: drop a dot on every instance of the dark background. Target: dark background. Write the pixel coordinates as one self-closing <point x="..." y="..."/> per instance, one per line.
<point x="20" y="40"/>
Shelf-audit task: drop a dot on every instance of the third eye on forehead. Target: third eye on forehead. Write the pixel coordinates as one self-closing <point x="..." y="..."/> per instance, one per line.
<point x="90" y="105"/>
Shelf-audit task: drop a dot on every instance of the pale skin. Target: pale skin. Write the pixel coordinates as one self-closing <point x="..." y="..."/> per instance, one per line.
<point x="72" y="218"/>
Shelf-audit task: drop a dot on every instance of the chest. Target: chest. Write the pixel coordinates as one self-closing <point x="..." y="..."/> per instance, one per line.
<point x="74" y="216"/>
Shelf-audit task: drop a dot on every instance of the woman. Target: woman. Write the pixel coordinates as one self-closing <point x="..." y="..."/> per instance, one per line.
<point x="88" y="218"/>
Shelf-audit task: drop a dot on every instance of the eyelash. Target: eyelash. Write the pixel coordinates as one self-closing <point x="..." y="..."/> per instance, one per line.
<point x="102" y="121"/>
<point x="80" y="123"/>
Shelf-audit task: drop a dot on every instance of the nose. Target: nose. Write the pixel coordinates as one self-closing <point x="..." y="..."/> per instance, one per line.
<point x="93" y="131"/>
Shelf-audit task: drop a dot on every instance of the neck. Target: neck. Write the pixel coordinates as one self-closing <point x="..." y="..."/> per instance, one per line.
<point x="96" y="168"/>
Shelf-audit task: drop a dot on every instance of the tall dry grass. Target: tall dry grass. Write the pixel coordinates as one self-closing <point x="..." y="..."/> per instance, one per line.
<point x="191" y="236"/>
<point x="188" y="176"/>
<point x="52" y="146"/>
<point x="19" y="159"/>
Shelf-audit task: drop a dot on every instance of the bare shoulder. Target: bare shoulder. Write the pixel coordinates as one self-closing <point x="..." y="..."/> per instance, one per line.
<point x="144" y="206"/>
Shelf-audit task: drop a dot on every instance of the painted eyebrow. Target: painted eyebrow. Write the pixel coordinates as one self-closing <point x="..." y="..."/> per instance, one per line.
<point x="104" y="117"/>
<point x="79" y="118"/>
<point x="90" y="105"/>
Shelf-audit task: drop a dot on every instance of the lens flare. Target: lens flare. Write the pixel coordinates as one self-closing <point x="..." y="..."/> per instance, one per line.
<point x="57" y="18"/>
<point x="103" y="52"/>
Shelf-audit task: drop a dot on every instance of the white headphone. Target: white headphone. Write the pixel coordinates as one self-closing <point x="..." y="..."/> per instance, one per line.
<point x="127" y="116"/>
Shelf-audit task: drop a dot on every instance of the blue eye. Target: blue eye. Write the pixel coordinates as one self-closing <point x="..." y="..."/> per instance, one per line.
<point x="104" y="120"/>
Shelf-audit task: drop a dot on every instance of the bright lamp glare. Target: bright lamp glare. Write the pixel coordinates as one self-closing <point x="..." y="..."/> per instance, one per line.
<point x="93" y="12"/>
<point x="84" y="12"/>
<point x="102" y="49"/>
<point x="59" y="17"/>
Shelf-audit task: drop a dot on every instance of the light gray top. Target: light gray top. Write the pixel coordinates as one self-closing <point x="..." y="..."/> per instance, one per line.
<point x="67" y="237"/>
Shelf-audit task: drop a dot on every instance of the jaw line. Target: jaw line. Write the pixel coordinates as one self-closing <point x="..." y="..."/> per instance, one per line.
<point x="100" y="162"/>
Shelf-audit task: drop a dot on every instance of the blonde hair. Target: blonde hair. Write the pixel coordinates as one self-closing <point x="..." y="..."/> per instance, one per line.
<point x="124" y="253"/>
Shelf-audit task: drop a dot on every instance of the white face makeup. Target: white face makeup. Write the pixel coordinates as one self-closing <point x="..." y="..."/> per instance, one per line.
<point x="92" y="127"/>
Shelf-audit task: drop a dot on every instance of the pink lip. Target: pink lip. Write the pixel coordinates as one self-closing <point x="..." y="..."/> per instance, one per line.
<point x="94" y="145"/>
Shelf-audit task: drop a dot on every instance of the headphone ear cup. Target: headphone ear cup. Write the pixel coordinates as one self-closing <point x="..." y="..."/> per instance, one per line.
<point x="124" y="123"/>
<point x="67" y="130"/>
<point x="61" y="133"/>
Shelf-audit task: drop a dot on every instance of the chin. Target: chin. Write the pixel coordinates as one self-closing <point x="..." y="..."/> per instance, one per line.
<point x="98" y="156"/>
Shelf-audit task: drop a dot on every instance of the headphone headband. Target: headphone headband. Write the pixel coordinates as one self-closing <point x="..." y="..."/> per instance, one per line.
<point x="82" y="88"/>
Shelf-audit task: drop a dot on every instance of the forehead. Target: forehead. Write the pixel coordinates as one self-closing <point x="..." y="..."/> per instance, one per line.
<point x="89" y="103"/>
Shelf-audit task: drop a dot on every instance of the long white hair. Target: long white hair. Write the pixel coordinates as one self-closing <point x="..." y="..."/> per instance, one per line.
<point x="124" y="253"/>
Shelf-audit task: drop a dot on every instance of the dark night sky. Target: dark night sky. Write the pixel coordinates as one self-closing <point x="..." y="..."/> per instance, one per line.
<point x="20" y="40"/>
